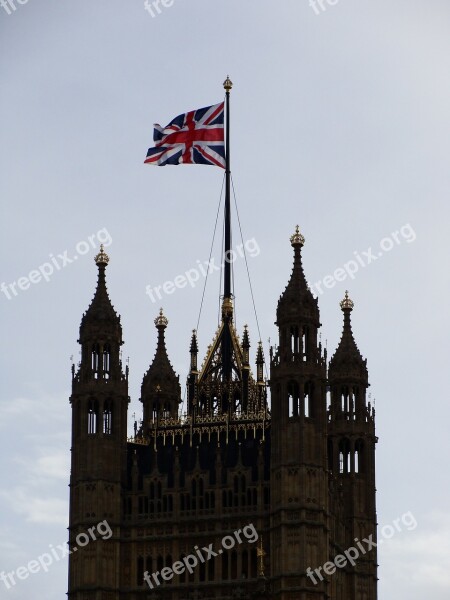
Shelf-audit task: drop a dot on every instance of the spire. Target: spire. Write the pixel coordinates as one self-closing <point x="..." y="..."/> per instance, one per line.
<point x="160" y="391"/>
<point x="297" y="298"/>
<point x="245" y="346"/>
<point x="194" y="351"/>
<point x="161" y="369"/>
<point x="259" y="363"/>
<point x="347" y="361"/>
<point x="101" y="320"/>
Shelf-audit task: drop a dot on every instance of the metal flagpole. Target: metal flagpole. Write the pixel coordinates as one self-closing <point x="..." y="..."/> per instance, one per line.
<point x="227" y="84"/>
<point x="227" y="306"/>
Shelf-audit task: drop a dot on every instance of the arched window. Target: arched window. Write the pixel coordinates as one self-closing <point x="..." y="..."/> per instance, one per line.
<point x="140" y="571"/>
<point x="160" y="563"/>
<point x="169" y="563"/>
<point x="305" y="343"/>
<point x="234" y="564"/>
<point x="107" y="417"/>
<point x="345" y="402"/>
<point x="92" y="416"/>
<point x="225" y="565"/>
<point x="95" y="359"/>
<point x="293" y="395"/>
<point x="183" y="574"/>
<point x="211" y="569"/>
<point x="344" y="456"/>
<point x="244" y="559"/>
<point x="106" y="360"/>
<point x="149" y="565"/>
<point x="307" y="399"/>
<point x="294" y="341"/>
<point x="359" y="456"/>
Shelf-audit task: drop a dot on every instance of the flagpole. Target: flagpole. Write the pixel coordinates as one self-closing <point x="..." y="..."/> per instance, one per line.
<point x="227" y="84"/>
<point x="227" y="306"/>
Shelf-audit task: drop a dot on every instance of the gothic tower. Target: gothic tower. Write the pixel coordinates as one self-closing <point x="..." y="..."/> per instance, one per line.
<point x="351" y="448"/>
<point x="99" y="443"/>
<point x="299" y="479"/>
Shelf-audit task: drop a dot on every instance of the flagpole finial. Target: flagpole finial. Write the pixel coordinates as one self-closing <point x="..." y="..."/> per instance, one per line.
<point x="227" y="84"/>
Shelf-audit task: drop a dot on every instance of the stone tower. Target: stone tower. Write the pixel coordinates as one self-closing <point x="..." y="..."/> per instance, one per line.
<point x="351" y="448"/>
<point x="99" y="448"/>
<point x="298" y="471"/>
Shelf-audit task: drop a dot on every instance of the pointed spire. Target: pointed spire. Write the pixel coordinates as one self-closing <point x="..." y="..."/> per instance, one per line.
<point x="297" y="297"/>
<point x="100" y="317"/>
<point x="245" y="346"/>
<point x="194" y="342"/>
<point x="347" y="361"/>
<point x="259" y="363"/>
<point x="194" y="351"/>
<point x="161" y="373"/>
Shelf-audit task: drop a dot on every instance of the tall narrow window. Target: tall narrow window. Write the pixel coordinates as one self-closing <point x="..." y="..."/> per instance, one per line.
<point x="211" y="569"/>
<point x="307" y="399"/>
<point x="305" y="343"/>
<point x="244" y="559"/>
<point x="294" y="341"/>
<point x="106" y="360"/>
<point x="107" y="417"/>
<point x="140" y="571"/>
<point x="359" y="456"/>
<point x="92" y="416"/>
<point x="344" y="456"/>
<point x="293" y="395"/>
<point x="345" y="402"/>
<point x="234" y="560"/>
<point x="225" y="566"/>
<point x="95" y="360"/>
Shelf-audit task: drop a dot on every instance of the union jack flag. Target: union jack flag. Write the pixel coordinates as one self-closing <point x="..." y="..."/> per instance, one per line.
<point x="196" y="137"/>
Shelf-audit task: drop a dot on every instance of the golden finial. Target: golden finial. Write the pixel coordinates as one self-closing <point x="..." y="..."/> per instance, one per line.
<point x="347" y="303"/>
<point x="161" y="320"/>
<point x="102" y="258"/>
<point x="297" y="239"/>
<point x="227" y="84"/>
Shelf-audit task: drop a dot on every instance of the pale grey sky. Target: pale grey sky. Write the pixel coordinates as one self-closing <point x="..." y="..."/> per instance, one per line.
<point x="340" y="122"/>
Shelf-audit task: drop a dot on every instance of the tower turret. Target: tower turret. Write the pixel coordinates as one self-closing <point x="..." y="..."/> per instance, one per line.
<point x="299" y="480"/>
<point x="100" y="332"/>
<point x="351" y="451"/>
<point x="99" y="437"/>
<point x="161" y="391"/>
<point x="297" y="312"/>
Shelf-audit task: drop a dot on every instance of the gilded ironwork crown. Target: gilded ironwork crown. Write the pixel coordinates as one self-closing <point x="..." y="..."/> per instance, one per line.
<point x="297" y="239"/>
<point x="161" y="320"/>
<point x="102" y="258"/>
<point x="347" y="303"/>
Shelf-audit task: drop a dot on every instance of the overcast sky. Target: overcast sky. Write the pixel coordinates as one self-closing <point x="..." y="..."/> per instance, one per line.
<point x="340" y="123"/>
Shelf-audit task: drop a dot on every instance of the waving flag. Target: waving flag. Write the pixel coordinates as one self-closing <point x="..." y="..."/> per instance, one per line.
<point x="196" y="137"/>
